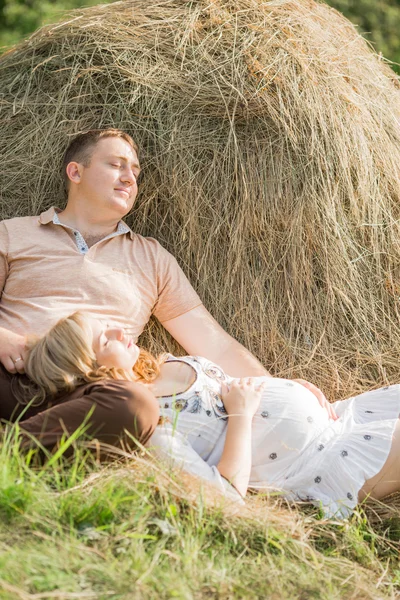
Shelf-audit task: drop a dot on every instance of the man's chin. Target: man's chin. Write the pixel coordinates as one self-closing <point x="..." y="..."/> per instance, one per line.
<point x="121" y="207"/>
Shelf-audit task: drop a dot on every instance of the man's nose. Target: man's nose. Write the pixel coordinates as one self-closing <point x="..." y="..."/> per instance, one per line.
<point x="128" y="176"/>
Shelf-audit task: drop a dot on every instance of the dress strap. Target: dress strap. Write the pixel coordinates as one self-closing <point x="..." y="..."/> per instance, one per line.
<point x="189" y="360"/>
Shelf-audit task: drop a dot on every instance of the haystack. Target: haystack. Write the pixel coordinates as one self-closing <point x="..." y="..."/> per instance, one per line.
<point x="270" y="146"/>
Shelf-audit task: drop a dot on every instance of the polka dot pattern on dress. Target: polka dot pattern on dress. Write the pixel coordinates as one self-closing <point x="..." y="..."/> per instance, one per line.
<point x="335" y="458"/>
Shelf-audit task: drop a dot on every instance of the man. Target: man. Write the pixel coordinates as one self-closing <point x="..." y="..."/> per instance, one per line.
<point x="86" y="257"/>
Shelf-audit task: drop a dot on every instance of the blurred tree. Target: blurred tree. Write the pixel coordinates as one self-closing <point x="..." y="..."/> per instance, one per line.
<point x="19" y="18"/>
<point x="378" y="21"/>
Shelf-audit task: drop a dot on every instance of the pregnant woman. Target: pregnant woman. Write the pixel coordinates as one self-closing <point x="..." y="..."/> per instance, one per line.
<point x="260" y="432"/>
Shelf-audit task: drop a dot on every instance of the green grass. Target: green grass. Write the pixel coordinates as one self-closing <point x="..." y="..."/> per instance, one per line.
<point x="129" y="530"/>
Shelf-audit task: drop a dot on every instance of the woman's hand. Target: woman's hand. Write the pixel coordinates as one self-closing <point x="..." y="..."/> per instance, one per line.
<point x="242" y="397"/>
<point x="320" y="397"/>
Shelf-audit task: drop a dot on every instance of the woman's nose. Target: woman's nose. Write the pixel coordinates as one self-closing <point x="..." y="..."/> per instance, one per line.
<point x="115" y="333"/>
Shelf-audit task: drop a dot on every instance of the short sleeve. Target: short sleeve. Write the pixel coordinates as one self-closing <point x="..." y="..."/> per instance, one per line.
<point x="4" y="246"/>
<point x="175" y="294"/>
<point x="173" y="448"/>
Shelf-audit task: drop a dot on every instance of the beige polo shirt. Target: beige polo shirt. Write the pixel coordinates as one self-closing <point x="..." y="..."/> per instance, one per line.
<point x="45" y="274"/>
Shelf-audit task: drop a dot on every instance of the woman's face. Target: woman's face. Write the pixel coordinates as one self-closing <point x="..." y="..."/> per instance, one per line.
<point x="112" y="347"/>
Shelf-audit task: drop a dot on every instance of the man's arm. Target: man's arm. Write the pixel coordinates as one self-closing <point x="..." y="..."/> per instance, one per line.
<point x="200" y="335"/>
<point x="198" y="332"/>
<point x="194" y="328"/>
<point x="12" y="345"/>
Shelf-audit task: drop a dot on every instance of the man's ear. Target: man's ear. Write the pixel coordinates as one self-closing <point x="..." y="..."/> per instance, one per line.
<point x="74" y="171"/>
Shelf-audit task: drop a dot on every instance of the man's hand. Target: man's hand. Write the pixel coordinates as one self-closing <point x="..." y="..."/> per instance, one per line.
<point x="12" y="351"/>
<point x="320" y="397"/>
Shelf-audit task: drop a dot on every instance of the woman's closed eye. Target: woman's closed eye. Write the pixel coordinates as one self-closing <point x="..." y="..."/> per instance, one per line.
<point x="106" y="340"/>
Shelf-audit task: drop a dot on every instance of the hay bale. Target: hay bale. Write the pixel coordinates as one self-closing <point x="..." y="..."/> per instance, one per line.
<point x="271" y="151"/>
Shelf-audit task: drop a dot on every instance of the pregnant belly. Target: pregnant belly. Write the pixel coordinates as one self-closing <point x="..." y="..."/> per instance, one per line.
<point x="288" y="420"/>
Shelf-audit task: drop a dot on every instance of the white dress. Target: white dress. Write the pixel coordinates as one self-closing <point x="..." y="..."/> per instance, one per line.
<point x="296" y="448"/>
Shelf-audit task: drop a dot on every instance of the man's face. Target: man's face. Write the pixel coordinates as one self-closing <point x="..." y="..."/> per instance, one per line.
<point x="109" y="183"/>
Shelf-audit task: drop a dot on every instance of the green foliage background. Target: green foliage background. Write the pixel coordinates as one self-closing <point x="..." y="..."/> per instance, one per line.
<point x="378" y="20"/>
<point x="19" y="18"/>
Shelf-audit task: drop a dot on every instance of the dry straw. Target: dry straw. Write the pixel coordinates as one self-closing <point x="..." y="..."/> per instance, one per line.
<point x="271" y="151"/>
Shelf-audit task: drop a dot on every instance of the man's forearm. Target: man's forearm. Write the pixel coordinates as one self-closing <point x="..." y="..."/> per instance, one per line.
<point x="236" y="361"/>
<point x="200" y="334"/>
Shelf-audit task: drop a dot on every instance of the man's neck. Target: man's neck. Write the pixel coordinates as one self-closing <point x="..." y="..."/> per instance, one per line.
<point x="90" y="228"/>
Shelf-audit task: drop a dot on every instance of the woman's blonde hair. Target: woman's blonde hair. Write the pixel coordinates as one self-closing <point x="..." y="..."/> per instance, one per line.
<point x="63" y="359"/>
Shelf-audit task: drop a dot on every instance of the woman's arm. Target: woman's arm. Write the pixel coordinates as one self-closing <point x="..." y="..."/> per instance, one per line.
<point x="241" y="402"/>
<point x="232" y="474"/>
<point x="175" y="451"/>
<point x="235" y="463"/>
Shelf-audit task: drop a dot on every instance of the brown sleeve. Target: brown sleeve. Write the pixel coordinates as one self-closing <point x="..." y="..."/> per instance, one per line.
<point x="111" y="411"/>
<point x="175" y="294"/>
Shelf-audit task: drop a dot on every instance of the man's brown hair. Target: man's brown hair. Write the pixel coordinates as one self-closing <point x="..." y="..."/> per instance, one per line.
<point x="82" y="146"/>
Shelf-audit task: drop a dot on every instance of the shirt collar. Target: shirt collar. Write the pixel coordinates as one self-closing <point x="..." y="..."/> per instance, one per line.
<point x="50" y="216"/>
